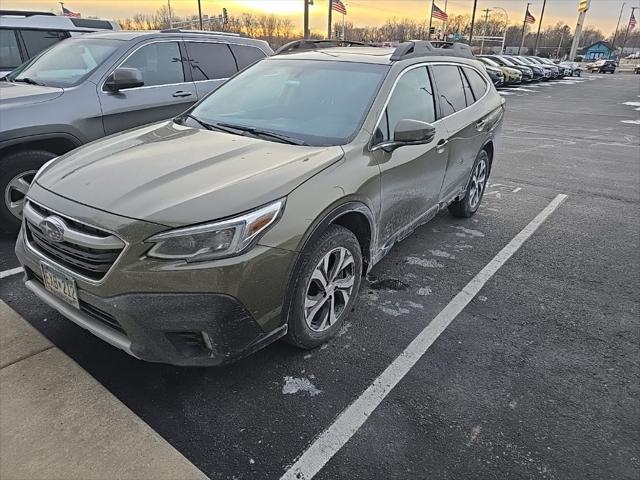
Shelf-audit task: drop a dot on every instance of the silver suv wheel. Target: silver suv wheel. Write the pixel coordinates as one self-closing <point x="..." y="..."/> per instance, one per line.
<point x="16" y="191"/>
<point x="329" y="289"/>
<point x="478" y="181"/>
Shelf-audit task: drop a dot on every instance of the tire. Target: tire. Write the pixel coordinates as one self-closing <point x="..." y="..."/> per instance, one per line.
<point x="308" y="329"/>
<point x="468" y="206"/>
<point x="16" y="172"/>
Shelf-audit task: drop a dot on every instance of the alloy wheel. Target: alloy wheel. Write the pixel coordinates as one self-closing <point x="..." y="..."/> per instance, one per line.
<point x="478" y="181"/>
<point x="329" y="289"/>
<point x="16" y="191"/>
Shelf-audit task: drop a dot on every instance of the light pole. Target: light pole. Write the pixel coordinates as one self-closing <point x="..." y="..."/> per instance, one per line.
<point x="473" y="19"/>
<point x="200" y="14"/>
<point x="535" y="47"/>
<point x="615" y="35"/>
<point x="506" y="27"/>
<point x="170" y="17"/>
<point x="484" y="33"/>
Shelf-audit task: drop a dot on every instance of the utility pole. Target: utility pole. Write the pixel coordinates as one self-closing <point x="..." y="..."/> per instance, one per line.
<point x="626" y="35"/>
<point x="170" y="16"/>
<point x="329" y="26"/>
<point x="564" y="29"/>
<point x="506" y="27"/>
<point x="582" y="9"/>
<point x="200" y="14"/>
<point x="524" y="25"/>
<point x="306" y="19"/>
<point x="484" y="33"/>
<point x="430" y="19"/>
<point x="473" y="19"/>
<point x="615" y="35"/>
<point x="535" y="48"/>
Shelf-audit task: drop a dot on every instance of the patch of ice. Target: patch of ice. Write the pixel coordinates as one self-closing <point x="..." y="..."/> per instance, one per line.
<point x="294" y="385"/>
<point x="424" y="291"/>
<point x="441" y="253"/>
<point x="633" y="122"/>
<point x="512" y="404"/>
<point x="466" y="232"/>
<point x="395" y="311"/>
<point x="482" y="298"/>
<point x="344" y="329"/>
<point x="427" y="263"/>
<point x="415" y="305"/>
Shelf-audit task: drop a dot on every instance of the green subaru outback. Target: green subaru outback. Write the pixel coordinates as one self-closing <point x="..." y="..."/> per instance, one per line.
<point x="255" y="214"/>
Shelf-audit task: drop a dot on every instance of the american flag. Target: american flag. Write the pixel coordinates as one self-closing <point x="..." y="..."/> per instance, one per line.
<point x="338" y="6"/>
<point x="529" y="18"/>
<point x="68" y="13"/>
<point x="632" y="22"/>
<point x="439" y="14"/>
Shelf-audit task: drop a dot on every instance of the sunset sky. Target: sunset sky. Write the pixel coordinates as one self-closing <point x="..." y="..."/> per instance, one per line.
<point x="603" y="13"/>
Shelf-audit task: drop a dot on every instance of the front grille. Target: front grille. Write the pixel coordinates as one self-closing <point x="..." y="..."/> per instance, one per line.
<point x="92" y="263"/>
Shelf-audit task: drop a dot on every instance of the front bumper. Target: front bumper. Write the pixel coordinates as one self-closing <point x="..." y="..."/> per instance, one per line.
<point x="170" y="312"/>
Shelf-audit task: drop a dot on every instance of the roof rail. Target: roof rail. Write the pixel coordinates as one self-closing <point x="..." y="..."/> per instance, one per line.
<point x="201" y="32"/>
<point x="310" y="44"/>
<point x="423" y="48"/>
<point x="24" y="13"/>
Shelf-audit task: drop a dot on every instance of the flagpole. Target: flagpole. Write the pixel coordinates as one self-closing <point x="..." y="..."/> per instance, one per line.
<point x="615" y="35"/>
<point x="535" y="48"/>
<point x="524" y="24"/>
<point x="473" y="20"/>
<point x="626" y="35"/>
<point x="444" y="32"/>
<point x="430" y="20"/>
<point x="343" y="15"/>
<point x="329" y="26"/>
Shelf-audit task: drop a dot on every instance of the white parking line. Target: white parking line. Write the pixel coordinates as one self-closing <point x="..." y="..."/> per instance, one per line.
<point x="13" y="271"/>
<point x="329" y="442"/>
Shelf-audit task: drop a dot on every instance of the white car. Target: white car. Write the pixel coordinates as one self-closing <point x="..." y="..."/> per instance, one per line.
<point x="24" y="34"/>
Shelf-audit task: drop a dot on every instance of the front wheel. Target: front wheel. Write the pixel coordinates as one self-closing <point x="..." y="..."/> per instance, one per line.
<point x="468" y="206"/>
<point x="326" y="285"/>
<point x="16" y="173"/>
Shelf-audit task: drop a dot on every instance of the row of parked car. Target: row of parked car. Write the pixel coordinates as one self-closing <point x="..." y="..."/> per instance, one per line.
<point x="516" y="69"/>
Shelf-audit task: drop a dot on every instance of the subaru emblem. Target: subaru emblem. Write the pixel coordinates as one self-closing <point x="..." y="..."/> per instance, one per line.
<point x="53" y="228"/>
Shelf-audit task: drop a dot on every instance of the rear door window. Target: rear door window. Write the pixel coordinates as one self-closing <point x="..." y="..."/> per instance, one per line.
<point x="9" y="52"/>
<point x="468" y="94"/>
<point x="245" y="56"/>
<point x="36" y="41"/>
<point x="160" y="63"/>
<point x="210" y="61"/>
<point x="451" y="93"/>
<point x="477" y="82"/>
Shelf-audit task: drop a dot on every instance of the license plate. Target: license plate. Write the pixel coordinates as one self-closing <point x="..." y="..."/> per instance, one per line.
<point x="61" y="285"/>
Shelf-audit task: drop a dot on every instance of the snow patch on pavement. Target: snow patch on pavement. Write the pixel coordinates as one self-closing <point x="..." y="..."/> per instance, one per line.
<point x="467" y="232"/>
<point x="424" y="262"/>
<point x="441" y="253"/>
<point x="293" y="385"/>
<point x="424" y="291"/>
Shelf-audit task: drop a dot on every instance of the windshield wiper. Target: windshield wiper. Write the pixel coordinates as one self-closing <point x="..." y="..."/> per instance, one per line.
<point x="213" y="126"/>
<point x="262" y="133"/>
<point x="28" y="80"/>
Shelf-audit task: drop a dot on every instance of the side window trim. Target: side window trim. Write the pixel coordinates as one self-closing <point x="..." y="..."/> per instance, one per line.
<point x="465" y="84"/>
<point x="393" y="89"/>
<point x="130" y="53"/>
<point x="22" y="50"/>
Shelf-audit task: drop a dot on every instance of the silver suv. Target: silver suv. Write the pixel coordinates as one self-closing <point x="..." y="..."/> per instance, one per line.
<point x="97" y="84"/>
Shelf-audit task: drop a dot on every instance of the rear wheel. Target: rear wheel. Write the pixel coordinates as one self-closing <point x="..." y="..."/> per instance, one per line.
<point x="466" y="207"/>
<point x="16" y="174"/>
<point x="325" y="287"/>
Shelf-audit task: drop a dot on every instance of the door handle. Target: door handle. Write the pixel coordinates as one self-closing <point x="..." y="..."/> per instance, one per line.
<point x="180" y="94"/>
<point x="440" y="145"/>
<point x="481" y="123"/>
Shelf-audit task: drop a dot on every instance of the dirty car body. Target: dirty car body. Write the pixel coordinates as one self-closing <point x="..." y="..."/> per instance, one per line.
<point x="254" y="215"/>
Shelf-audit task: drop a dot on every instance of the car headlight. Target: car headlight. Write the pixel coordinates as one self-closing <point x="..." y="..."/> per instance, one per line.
<point x="221" y="239"/>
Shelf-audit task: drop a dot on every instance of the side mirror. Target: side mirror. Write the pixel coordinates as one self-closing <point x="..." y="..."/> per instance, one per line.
<point x="409" y="132"/>
<point x="123" y="78"/>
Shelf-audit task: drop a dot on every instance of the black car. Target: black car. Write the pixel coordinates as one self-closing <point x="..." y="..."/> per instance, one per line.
<point x="502" y="60"/>
<point x="603" y="66"/>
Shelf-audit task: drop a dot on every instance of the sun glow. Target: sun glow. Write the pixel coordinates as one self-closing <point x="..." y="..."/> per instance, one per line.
<point x="277" y="7"/>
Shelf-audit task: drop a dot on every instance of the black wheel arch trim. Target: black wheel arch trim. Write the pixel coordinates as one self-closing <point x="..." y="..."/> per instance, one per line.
<point x="15" y="141"/>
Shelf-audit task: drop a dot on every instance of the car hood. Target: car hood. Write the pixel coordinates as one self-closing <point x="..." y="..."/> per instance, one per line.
<point x="17" y="93"/>
<point x="176" y="175"/>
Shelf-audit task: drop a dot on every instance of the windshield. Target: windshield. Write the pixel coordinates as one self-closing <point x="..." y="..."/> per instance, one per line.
<point x="488" y="61"/>
<point x="517" y="61"/>
<point x="66" y="63"/>
<point x="315" y="102"/>
<point x="506" y="61"/>
<point x="532" y="61"/>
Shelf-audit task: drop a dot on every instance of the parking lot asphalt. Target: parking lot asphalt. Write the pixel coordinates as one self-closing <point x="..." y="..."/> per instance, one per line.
<point x="538" y="377"/>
